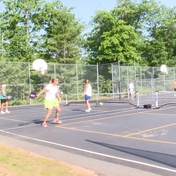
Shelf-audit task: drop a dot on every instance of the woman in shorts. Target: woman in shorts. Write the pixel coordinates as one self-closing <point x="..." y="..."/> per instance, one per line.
<point x="87" y="94"/>
<point x="4" y="100"/>
<point x="52" y="100"/>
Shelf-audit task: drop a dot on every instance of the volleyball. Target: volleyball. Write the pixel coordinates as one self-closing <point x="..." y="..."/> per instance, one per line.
<point x="101" y="103"/>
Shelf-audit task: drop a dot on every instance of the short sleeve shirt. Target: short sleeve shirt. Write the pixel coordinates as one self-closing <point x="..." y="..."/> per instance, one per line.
<point x="51" y="92"/>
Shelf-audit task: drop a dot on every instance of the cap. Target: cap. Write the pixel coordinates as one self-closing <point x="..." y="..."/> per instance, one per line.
<point x="3" y="85"/>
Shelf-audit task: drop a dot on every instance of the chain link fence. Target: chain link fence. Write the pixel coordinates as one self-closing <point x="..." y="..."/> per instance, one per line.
<point x="108" y="80"/>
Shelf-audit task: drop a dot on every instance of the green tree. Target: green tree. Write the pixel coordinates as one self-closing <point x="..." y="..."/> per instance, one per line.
<point x="155" y="25"/>
<point x="112" y="40"/>
<point x="34" y="28"/>
<point x="61" y="39"/>
<point x="141" y="32"/>
<point x="19" y="29"/>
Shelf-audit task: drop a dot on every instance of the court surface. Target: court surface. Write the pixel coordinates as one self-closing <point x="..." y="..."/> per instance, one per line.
<point x="115" y="133"/>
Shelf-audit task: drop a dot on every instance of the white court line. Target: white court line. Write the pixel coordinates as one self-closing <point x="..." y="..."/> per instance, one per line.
<point x="95" y="153"/>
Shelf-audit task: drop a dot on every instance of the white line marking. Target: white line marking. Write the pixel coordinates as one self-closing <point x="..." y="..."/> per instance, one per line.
<point x="95" y="153"/>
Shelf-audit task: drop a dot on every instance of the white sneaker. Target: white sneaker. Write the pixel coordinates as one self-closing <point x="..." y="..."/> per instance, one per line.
<point x="7" y="111"/>
<point x="57" y="121"/>
<point x="2" y="112"/>
<point x="88" y="110"/>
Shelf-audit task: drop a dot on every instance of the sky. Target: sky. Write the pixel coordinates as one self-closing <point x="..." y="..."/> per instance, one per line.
<point x="85" y="9"/>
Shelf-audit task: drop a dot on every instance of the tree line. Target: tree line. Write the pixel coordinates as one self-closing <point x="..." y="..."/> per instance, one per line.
<point x="142" y="32"/>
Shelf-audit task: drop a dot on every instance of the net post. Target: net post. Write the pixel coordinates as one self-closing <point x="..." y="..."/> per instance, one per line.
<point x="137" y="99"/>
<point x="97" y="101"/>
<point x="156" y="99"/>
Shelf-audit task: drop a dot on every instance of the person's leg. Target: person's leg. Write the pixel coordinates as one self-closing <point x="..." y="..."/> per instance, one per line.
<point x="6" y="106"/>
<point x="128" y="95"/>
<point x="174" y="92"/>
<point x="2" y="107"/>
<point x="56" y="119"/>
<point x="87" y="104"/>
<point x="58" y="110"/>
<point x="48" y="105"/>
<point x="46" y="117"/>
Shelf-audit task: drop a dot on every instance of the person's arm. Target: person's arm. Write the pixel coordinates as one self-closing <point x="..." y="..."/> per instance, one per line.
<point x="3" y="94"/>
<point x="85" y="89"/>
<point x="41" y="92"/>
<point x="58" y="97"/>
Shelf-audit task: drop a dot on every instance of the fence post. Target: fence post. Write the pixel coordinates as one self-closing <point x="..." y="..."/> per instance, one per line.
<point x="54" y="70"/>
<point x="119" y="79"/>
<point x="77" y="85"/>
<point x="112" y="77"/>
<point x="66" y="99"/>
<point x="97" y="96"/>
<point x="29" y="79"/>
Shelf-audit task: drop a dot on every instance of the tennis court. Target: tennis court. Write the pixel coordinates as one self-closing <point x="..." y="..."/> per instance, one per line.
<point x="117" y="133"/>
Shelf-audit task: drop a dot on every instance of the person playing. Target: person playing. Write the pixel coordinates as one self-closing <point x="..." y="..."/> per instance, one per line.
<point x="130" y="91"/>
<point x="4" y="100"/>
<point x="87" y="94"/>
<point x="52" y="100"/>
<point x="174" y="87"/>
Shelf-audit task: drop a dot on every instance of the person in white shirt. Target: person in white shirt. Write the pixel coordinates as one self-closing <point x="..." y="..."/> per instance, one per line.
<point x="87" y="94"/>
<point x="52" y="100"/>
<point x="130" y="90"/>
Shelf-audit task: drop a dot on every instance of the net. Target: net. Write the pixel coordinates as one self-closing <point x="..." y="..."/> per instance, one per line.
<point x="104" y="99"/>
<point x="155" y="100"/>
<point x="166" y="98"/>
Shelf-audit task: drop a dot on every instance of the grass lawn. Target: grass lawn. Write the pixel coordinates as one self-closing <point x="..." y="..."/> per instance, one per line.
<point x="18" y="162"/>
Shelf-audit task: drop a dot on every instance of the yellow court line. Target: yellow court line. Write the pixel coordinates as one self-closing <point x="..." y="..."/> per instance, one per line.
<point x="121" y="136"/>
<point x="172" y="115"/>
<point x="94" y="113"/>
<point x="167" y="108"/>
<point x="152" y="140"/>
<point x="95" y="132"/>
<point x="104" y="118"/>
<point x="93" y="120"/>
<point x="151" y="129"/>
<point x="116" y="135"/>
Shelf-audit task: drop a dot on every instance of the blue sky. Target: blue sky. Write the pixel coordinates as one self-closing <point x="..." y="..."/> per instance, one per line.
<point x="85" y="9"/>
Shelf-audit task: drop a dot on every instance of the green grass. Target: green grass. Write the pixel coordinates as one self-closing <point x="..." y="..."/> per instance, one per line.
<point x="17" y="162"/>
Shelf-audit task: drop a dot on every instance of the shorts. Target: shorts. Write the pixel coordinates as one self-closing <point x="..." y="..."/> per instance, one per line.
<point x="87" y="97"/>
<point x="50" y="104"/>
<point x="130" y="92"/>
<point x="3" y="100"/>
